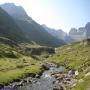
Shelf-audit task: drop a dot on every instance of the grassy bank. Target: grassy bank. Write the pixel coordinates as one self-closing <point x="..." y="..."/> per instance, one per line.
<point x="15" y="65"/>
<point x="75" y="56"/>
<point x="15" y="69"/>
<point x="85" y="85"/>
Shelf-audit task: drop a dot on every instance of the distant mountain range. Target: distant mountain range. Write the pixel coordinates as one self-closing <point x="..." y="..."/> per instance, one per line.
<point x="31" y="30"/>
<point x="58" y="34"/>
<point x="16" y="25"/>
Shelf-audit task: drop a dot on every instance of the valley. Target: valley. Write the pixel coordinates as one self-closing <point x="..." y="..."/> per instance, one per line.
<point x="36" y="57"/>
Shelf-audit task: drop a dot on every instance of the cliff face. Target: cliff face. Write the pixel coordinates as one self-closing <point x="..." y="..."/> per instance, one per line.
<point x="80" y="33"/>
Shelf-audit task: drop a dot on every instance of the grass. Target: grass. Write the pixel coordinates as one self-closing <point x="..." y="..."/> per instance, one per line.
<point x="83" y="85"/>
<point x="13" y="69"/>
<point x="75" y="56"/>
<point x="15" y="65"/>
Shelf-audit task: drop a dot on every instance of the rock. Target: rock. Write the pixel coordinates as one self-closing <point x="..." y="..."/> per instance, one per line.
<point x="54" y="82"/>
<point x="27" y="80"/>
<point x="20" y="83"/>
<point x="55" y="88"/>
<point x="60" y="78"/>
<point x="7" y="87"/>
<point x="34" y="80"/>
<point x="14" y="86"/>
<point x="37" y="76"/>
<point x="58" y="88"/>
<point x="68" y="79"/>
<point x="1" y="86"/>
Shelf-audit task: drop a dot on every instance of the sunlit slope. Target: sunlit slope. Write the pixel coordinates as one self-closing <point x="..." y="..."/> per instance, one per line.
<point x="75" y="55"/>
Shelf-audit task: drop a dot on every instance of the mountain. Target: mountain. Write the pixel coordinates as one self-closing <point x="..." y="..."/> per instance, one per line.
<point x="9" y="29"/>
<point x="87" y="27"/>
<point x="58" y="34"/>
<point x="32" y="30"/>
<point x="80" y="33"/>
<point x="15" y="11"/>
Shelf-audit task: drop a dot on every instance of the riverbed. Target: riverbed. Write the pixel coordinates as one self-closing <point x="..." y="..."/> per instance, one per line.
<point x="44" y="82"/>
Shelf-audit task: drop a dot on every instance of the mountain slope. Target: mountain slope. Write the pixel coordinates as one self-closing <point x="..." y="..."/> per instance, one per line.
<point x="32" y="30"/>
<point x="9" y="29"/>
<point x="58" y="34"/>
<point x="75" y="55"/>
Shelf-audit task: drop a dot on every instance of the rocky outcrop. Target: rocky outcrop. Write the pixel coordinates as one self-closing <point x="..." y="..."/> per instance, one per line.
<point x="64" y="81"/>
<point x="80" y="33"/>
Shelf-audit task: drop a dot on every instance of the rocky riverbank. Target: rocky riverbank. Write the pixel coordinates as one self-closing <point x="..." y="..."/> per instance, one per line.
<point x="30" y="78"/>
<point x="53" y="78"/>
<point x="64" y="81"/>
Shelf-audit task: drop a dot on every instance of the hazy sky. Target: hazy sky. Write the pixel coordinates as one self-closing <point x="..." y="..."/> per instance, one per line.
<point x="58" y="14"/>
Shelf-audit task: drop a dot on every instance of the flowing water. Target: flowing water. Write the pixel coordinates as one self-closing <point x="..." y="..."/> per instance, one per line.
<point x="45" y="82"/>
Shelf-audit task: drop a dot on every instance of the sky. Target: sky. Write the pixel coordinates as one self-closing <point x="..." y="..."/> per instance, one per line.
<point x="58" y="14"/>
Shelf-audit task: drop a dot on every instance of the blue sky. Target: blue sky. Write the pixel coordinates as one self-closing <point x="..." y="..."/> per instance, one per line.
<point x="58" y="14"/>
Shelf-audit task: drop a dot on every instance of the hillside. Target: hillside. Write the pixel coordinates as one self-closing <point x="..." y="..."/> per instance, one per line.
<point x="9" y="29"/>
<point x="32" y="30"/>
<point x="75" y="56"/>
<point x="58" y="34"/>
<point x="19" y="61"/>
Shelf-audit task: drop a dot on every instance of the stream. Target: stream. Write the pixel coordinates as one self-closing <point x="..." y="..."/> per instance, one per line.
<point x="45" y="82"/>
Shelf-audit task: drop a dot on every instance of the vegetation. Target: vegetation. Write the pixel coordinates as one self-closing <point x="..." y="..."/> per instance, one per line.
<point x="85" y="85"/>
<point x="15" y="69"/>
<point x="14" y="65"/>
<point x="9" y="29"/>
<point x="75" y="56"/>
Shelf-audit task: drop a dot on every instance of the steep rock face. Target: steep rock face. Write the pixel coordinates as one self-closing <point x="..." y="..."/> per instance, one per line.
<point x="15" y="11"/>
<point x="77" y="35"/>
<point x="80" y="33"/>
<point x="32" y="30"/>
<point x="73" y="31"/>
<point x="9" y="29"/>
<point x="87" y="27"/>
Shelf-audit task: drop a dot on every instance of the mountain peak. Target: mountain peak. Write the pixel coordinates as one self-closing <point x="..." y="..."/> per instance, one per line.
<point x="15" y="11"/>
